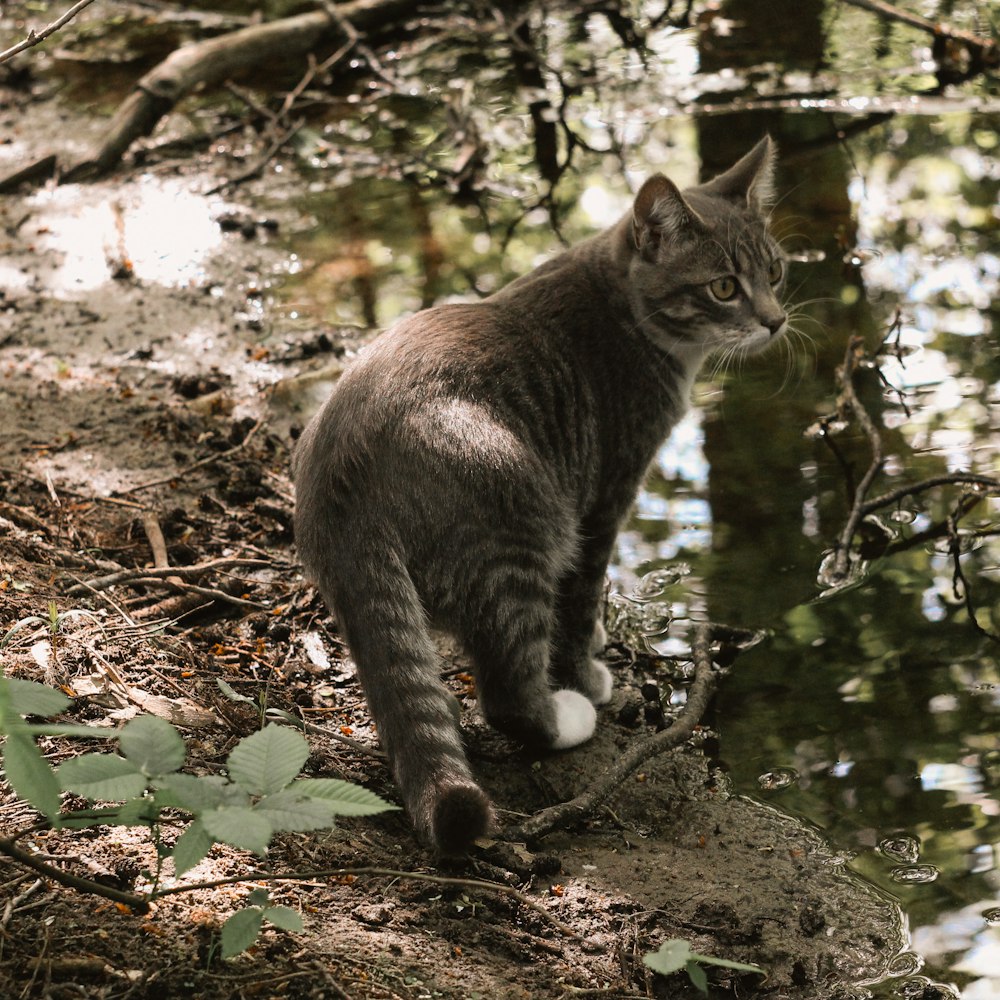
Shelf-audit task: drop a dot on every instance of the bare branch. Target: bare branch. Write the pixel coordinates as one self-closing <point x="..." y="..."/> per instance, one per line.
<point x="849" y="401"/>
<point x="34" y="37"/>
<point x="959" y="585"/>
<point x="980" y="53"/>
<point x="705" y="681"/>
<point x="310" y="876"/>
<point x="136" y="903"/>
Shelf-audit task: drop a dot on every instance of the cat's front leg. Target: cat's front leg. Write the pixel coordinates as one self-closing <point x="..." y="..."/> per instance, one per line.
<point x="580" y="635"/>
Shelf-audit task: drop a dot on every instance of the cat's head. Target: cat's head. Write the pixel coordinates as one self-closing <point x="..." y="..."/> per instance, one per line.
<point x="704" y="272"/>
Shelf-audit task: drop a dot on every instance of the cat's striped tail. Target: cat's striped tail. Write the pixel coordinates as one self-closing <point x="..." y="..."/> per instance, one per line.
<point x="380" y="614"/>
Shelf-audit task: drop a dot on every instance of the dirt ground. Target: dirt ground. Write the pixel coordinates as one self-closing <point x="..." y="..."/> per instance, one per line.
<point x="132" y="403"/>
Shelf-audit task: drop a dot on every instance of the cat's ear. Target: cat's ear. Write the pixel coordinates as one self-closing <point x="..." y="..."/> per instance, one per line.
<point x="750" y="179"/>
<point x="660" y="212"/>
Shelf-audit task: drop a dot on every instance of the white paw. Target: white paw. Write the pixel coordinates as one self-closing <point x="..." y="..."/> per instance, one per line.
<point x="605" y="683"/>
<point x="575" y="719"/>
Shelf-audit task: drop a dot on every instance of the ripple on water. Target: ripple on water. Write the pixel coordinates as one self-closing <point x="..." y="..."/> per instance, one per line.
<point x="778" y="777"/>
<point x="914" y="874"/>
<point x="903" y="848"/>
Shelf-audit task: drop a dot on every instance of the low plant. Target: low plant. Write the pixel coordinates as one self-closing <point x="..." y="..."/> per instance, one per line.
<point x="143" y="783"/>
<point x="676" y="954"/>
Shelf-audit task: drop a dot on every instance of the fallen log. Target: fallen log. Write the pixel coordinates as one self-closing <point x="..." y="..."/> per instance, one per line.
<point x="211" y="62"/>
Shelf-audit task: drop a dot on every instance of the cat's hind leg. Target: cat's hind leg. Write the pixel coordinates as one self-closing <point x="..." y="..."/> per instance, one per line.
<point x="509" y="635"/>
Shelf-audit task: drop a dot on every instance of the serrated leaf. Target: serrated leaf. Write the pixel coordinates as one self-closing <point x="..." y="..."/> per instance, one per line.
<point x="192" y="847"/>
<point x="697" y="976"/>
<point x="292" y="812"/>
<point x="258" y="897"/>
<point x="232" y="694"/>
<point x="152" y="745"/>
<point x="268" y="760"/>
<point x="346" y="799"/>
<point x="284" y="917"/>
<point x="103" y="776"/>
<point x="31" y="698"/>
<point x="239" y="827"/>
<point x="671" y="956"/>
<point x="29" y="774"/>
<point x="198" y="793"/>
<point x="241" y="930"/>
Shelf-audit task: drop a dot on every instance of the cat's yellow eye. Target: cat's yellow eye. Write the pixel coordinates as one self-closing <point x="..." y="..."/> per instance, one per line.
<point x="775" y="271"/>
<point x="724" y="289"/>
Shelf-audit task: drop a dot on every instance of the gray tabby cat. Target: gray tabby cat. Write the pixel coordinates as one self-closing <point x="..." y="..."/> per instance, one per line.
<point x="471" y="470"/>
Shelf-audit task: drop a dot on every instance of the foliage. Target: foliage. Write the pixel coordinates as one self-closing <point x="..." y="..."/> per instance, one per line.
<point x="676" y="954"/>
<point x="262" y="795"/>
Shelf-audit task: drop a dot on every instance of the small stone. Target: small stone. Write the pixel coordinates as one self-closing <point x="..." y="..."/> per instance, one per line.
<point x="374" y="914"/>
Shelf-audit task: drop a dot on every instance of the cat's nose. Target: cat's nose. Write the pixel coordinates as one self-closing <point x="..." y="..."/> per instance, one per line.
<point x="775" y="323"/>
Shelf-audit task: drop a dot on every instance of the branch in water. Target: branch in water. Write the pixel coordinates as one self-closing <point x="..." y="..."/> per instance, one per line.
<point x="706" y="678"/>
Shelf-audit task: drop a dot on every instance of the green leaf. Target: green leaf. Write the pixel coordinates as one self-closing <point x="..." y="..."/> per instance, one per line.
<point x="141" y="811"/>
<point x="70" y="729"/>
<point x="672" y="956"/>
<point x="697" y="976"/>
<point x="284" y="917"/>
<point x="292" y="812"/>
<point x="102" y="776"/>
<point x="232" y="694"/>
<point x="268" y="760"/>
<point x="17" y="626"/>
<point x="259" y="897"/>
<point x="241" y="930"/>
<point x="29" y="774"/>
<point x="345" y="798"/>
<point x="198" y="793"/>
<point x="31" y="698"/>
<point x="152" y="745"/>
<point x="724" y="963"/>
<point x="192" y="846"/>
<point x="239" y="827"/>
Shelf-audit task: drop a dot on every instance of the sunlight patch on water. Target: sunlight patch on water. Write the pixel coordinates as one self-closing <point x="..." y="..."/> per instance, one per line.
<point x="967" y="932"/>
<point x="155" y="230"/>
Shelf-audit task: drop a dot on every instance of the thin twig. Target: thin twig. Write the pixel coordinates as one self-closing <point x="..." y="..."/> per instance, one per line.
<point x="15" y="901"/>
<point x="314" y="730"/>
<point x="129" y="575"/>
<point x="136" y="903"/>
<point x="681" y="730"/>
<point x="850" y="401"/>
<point x="467" y="883"/>
<point x="989" y="483"/>
<point x="207" y="460"/>
<point x="257" y="167"/>
<point x="191" y="588"/>
<point x="34" y="37"/>
<point x="959" y="585"/>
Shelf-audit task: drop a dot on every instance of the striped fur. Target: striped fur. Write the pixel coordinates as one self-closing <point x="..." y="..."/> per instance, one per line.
<point x="471" y="470"/>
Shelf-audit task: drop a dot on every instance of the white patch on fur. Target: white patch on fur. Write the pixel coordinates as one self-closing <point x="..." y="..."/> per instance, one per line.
<point x="606" y="683"/>
<point x="576" y="718"/>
